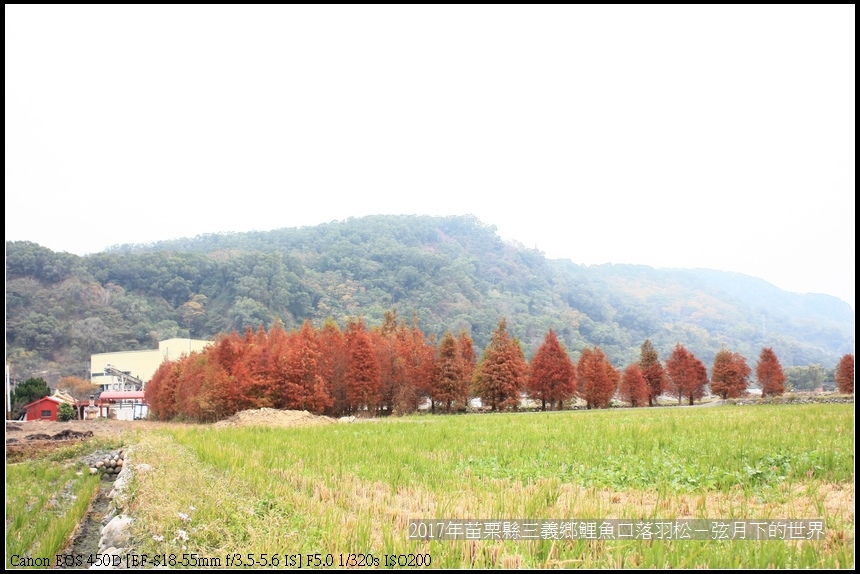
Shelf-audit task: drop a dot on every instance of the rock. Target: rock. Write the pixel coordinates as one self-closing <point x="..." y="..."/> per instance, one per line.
<point x="109" y="516"/>
<point x="94" y="470"/>
<point x="122" y="479"/>
<point x="116" y="534"/>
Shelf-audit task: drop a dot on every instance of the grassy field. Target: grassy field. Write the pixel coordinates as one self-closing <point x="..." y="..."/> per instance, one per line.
<point x="268" y="493"/>
<point x="45" y="500"/>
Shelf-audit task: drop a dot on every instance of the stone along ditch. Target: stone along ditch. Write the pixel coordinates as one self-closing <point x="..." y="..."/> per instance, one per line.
<point x="103" y="537"/>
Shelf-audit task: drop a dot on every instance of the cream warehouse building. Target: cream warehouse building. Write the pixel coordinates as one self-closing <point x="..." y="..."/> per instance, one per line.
<point x="131" y="370"/>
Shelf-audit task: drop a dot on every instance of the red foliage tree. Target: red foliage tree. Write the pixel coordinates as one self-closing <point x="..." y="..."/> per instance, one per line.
<point x="502" y="373"/>
<point x="252" y="384"/>
<point x="552" y="375"/>
<point x="228" y="352"/>
<point x="159" y="391"/>
<point x="212" y="399"/>
<point x="189" y="385"/>
<point x="406" y="363"/>
<point x="450" y="384"/>
<point x="392" y="366"/>
<point x="633" y="388"/>
<point x="271" y="368"/>
<point x="420" y="358"/>
<point x="769" y="374"/>
<point x="845" y="374"/>
<point x="362" y="373"/>
<point x="333" y="364"/>
<point x="688" y="376"/>
<point x="652" y="370"/>
<point x="306" y="387"/>
<point x="597" y="378"/>
<point x="467" y="351"/>
<point x="730" y="375"/>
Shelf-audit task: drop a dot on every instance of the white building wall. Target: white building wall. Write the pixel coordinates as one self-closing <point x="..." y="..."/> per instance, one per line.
<point x="140" y="364"/>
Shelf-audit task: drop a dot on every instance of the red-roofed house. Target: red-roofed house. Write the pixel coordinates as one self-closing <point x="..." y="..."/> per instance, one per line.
<point x="45" y="409"/>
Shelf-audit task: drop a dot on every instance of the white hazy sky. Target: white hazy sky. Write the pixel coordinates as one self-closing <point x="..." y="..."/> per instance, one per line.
<point x="698" y="136"/>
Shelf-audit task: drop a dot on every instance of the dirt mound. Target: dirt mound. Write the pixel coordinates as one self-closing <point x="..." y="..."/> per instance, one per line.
<point x="38" y="436"/>
<point x="62" y="435"/>
<point x="274" y="418"/>
<point x="70" y="435"/>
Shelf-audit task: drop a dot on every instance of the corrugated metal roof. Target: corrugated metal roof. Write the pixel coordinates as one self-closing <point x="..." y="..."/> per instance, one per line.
<point x="120" y="395"/>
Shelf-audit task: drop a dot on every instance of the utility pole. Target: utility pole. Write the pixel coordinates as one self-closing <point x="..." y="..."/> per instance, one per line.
<point x="8" y="395"/>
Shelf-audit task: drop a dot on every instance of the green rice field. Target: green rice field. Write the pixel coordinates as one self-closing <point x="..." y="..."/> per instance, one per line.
<point x="45" y="500"/>
<point x="342" y="495"/>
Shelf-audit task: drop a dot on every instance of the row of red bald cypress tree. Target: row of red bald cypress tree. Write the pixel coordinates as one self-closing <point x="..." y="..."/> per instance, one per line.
<point x="393" y="368"/>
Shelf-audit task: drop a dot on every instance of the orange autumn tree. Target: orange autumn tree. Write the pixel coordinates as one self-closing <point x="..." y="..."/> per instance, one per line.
<point x="467" y="351"/>
<point x="845" y="374"/>
<point x="633" y="388"/>
<point x="270" y="363"/>
<point x="419" y="354"/>
<point x="78" y="388"/>
<point x="502" y="373"/>
<point x="189" y="385"/>
<point x="212" y="400"/>
<point x="406" y="363"/>
<point x="389" y="356"/>
<point x="652" y="370"/>
<point x="769" y="374"/>
<point x="201" y="387"/>
<point x="227" y="352"/>
<point x="730" y="374"/>
<point x="597" y="379"/>
<point x="333" y="364"/>
<point x="552" y="375"/>
<point x="305" y="387"/>
<point x="253" y="380"/>
<point x="688" y="376"/>
<point x="450" y="383"/>
<point x="160" y="391"/>
<point x="363" y="373"/>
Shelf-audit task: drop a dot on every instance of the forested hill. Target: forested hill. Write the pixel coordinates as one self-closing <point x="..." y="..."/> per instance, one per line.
<point x="453" y="272"/>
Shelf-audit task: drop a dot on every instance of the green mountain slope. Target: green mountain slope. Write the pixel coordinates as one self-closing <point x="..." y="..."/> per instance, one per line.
<point x="454" y="272"/>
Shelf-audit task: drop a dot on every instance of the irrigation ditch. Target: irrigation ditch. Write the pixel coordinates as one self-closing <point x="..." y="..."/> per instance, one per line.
<point x="103" y="536"/>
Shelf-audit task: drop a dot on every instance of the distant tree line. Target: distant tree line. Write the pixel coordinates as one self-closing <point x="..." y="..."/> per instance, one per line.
<point x="393" y="368"/>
